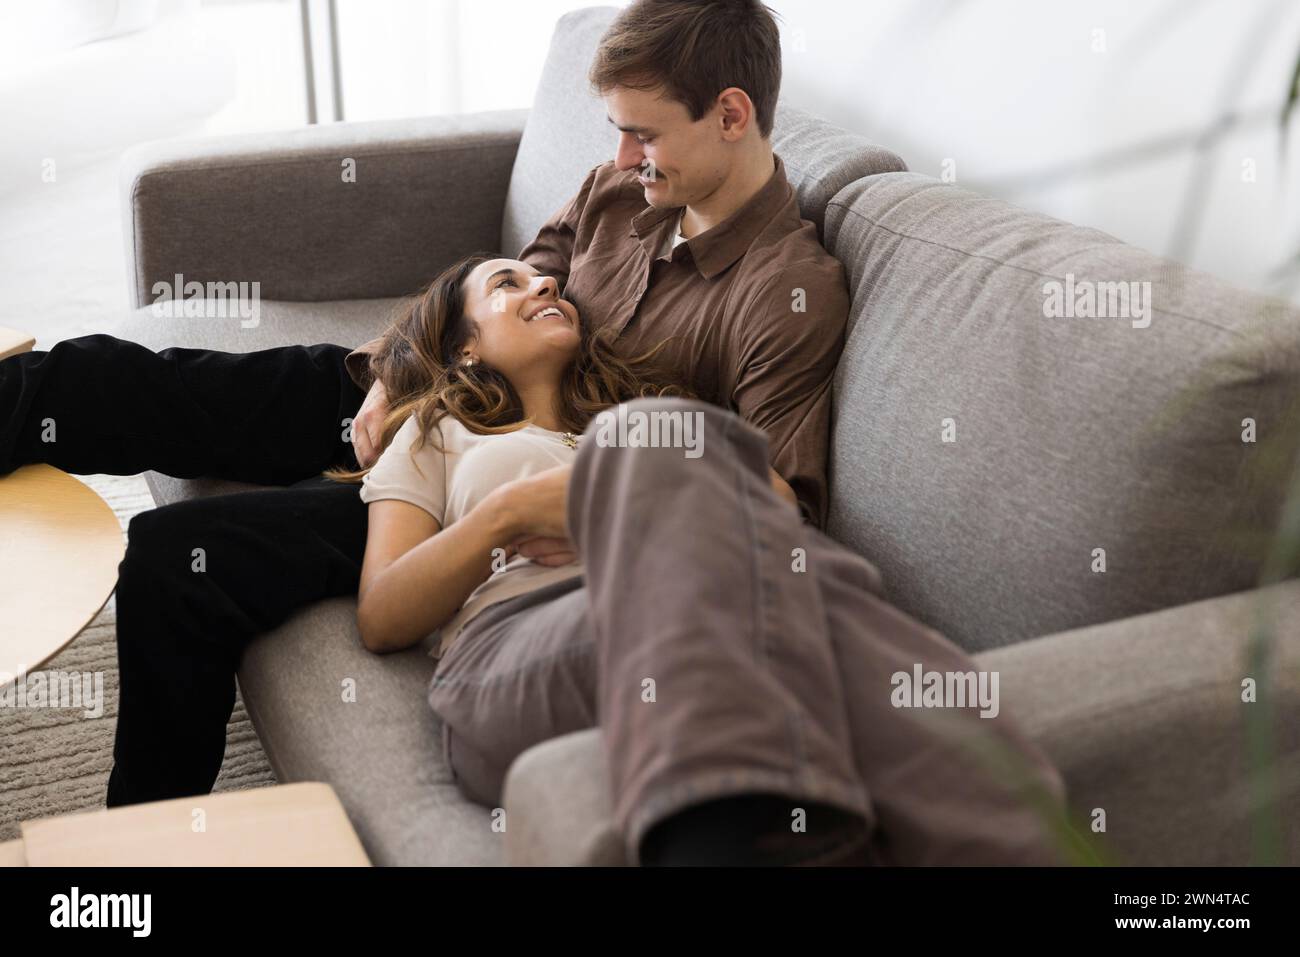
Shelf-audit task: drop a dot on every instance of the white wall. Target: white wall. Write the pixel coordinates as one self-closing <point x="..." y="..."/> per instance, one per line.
<point x="1029" y="102"/>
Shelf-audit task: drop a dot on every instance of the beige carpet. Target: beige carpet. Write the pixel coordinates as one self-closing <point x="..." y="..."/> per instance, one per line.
<point x="57" y="761"/>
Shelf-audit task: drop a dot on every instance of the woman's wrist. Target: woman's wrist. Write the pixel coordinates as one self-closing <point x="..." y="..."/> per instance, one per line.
<point x="500" y="514"/>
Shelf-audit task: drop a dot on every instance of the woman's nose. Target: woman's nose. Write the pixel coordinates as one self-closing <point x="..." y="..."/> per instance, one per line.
<point x="547" y="286"/>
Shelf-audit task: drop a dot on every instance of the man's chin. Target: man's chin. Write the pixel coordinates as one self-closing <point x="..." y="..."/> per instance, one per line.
<point x="658" y="196"/>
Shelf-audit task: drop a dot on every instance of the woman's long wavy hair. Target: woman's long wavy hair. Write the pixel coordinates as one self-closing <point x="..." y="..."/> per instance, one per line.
<point x="419" y="363"/>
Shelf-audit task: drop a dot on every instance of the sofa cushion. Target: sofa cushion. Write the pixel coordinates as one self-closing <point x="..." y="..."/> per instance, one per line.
<point x="1072" y="435"/>
<point x="567" y="134"/>
<point x="327" y="710"/>
<point x="347" y="323"/>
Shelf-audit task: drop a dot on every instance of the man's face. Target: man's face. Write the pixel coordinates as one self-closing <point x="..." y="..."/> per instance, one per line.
<point x="688" y="158"/>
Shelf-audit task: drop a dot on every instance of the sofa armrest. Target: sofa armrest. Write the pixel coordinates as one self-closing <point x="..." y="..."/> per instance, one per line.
<point x="1144" y="717"/>
<point x="556" y="798"/>
<point x="343" y="211"/>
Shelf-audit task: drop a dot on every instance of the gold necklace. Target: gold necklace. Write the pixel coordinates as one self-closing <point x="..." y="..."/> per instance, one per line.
<point x="569" y="439"/>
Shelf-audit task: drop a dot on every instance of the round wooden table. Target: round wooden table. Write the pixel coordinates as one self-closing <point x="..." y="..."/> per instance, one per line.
<point x="60" y="545"/>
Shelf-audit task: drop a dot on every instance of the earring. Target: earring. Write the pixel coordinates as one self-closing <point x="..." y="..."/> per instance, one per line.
<point x="469" y="363"/>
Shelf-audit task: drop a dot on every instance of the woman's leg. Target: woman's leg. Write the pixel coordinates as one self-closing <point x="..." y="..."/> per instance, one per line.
<point x="520" y="673"/>
<point x="524" y="671"/>
<point x="201" y="579"/>
<point x="97" y="404"/>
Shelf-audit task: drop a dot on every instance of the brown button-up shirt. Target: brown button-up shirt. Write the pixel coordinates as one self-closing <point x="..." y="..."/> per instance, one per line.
<point x="754" y="307"/>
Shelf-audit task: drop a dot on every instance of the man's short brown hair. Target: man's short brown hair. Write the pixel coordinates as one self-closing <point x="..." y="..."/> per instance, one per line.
<point x="694" y="49"/>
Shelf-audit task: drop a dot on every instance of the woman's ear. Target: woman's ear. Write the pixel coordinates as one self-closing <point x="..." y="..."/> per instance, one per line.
<point x="468" y="351"/>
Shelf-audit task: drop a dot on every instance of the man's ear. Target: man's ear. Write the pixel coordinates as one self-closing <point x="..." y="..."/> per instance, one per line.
<point x="736" y="111"/>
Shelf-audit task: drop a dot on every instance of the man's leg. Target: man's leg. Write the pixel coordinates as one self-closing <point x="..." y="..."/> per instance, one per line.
<point x="97" y="404"/>
<point x="200" y="579"/>
<point x="741" y="651"/>
<point x="551" y="664"/>
<point x="948" y="786"/>
<point x="717" y="677"/>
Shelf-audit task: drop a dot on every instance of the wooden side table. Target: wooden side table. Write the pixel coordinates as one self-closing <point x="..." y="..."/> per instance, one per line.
<point x="301" y="824"/>
<point x="60" y="545"/>
<point x="13" y="342"/>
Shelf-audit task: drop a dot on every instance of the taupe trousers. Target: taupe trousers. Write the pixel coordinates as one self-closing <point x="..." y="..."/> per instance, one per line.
<point x="725" y="647"/>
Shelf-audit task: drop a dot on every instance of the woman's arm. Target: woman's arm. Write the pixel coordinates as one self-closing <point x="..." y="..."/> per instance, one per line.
<point x="415" y="576"/>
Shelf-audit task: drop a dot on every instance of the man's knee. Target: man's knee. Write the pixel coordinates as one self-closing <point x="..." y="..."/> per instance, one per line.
<point x="655" y="437"/>
<point x="665" y="445"/>
<point x="161" y="574"/>
<point x="147" y="540"/>
<point x="163" y="538"/>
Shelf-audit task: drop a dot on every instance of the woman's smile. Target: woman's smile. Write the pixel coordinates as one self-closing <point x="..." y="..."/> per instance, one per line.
<point x="549" y="311"/>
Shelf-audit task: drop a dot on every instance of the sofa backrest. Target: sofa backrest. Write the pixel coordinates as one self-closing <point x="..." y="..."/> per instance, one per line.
<point x="567" y="134"/>
<point x="1069" y="436"/>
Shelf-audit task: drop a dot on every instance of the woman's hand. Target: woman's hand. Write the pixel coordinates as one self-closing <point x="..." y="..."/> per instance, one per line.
<point x="534" y="509"/>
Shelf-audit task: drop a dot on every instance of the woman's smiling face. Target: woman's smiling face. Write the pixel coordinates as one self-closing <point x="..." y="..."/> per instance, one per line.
<point x="525" y="330"/>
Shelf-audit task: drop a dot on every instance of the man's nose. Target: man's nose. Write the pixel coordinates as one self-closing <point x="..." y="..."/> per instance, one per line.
<point x="628" y="155"/>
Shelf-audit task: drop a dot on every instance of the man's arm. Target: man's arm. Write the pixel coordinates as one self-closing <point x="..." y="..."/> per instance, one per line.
<point x="786" y="365"/>
<point x="358" y="363"/>
<point x="551" y="251"/>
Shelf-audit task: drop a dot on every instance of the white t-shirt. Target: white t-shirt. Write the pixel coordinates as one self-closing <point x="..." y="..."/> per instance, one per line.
<point x="678" y="238"/>
<point x="448" y="486"/>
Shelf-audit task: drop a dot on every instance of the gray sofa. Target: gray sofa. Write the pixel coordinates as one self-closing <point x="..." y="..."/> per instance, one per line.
<point x="1071" y="436"/>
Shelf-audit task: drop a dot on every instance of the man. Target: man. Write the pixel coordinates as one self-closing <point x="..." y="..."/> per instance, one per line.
<point x="691" y="233"/>
<point x="756" y="309"/>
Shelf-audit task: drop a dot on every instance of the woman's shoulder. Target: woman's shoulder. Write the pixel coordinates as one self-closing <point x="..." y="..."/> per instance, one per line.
<point x="449" y="436"/>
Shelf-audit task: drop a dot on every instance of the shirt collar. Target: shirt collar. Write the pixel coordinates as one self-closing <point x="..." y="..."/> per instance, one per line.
<point x="718" y="247"/>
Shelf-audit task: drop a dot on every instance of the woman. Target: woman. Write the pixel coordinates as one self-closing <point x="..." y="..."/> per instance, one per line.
<point x="467" y="532"/>
<point x="527" y="381"/>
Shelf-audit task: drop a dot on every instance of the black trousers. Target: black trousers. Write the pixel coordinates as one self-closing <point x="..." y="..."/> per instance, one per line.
<point x="200" y="578"/>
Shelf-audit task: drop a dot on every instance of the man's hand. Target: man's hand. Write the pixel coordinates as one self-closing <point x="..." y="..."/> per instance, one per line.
<point x="548" y="551"/>
<point x="783" y="489"/>
<point x="368" y="425"/>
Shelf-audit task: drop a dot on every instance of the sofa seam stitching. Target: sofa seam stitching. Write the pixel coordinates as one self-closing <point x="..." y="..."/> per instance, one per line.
<point x="1025" y="269"/>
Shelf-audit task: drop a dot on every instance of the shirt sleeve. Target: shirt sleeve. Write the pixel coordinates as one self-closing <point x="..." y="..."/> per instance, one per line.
<point x="551" y="251"/>
<point x="787" y="361"/>
<point x="418" y="476"/>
